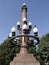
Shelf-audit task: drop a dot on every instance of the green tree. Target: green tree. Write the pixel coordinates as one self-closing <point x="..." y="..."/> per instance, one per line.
<point x="43" y="54"/>
<point x="7" y="52"/>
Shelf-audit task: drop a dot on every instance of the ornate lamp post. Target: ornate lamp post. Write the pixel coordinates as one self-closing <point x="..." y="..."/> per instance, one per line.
<point x="24" y="58"/>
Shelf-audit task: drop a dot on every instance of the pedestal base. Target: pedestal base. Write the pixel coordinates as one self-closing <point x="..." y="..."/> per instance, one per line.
<point x="25" y="63"/>
<point x="27" y="59"/>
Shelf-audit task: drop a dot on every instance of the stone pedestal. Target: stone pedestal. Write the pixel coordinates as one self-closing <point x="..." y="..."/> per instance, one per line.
<point x="24" y="59"/>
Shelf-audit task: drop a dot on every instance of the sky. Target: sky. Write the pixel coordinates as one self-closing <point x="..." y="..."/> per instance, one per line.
<point x="10" y="14"/>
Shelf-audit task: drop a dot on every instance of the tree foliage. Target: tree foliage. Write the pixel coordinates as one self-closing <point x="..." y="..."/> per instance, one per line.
<point x="8" y="51"/>
<point x="43" y="54"/>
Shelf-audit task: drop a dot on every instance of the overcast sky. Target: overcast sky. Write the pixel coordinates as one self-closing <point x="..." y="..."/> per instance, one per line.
<point x="10" y="14"/>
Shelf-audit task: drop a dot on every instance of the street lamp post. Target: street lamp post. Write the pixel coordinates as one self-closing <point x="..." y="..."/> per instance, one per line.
<point x="25" y="29"/>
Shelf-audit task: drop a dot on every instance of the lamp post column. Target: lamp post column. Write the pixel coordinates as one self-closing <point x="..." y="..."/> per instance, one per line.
<point x="24" y="46"/>
<point x="24" y="58"/>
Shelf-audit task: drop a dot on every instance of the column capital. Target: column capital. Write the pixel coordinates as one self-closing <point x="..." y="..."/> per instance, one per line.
<point x="24" y="7"/>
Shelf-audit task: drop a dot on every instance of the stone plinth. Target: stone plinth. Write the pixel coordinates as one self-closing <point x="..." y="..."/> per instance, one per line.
<point x="27" y="59"/>
<point x="22" y="63"/>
